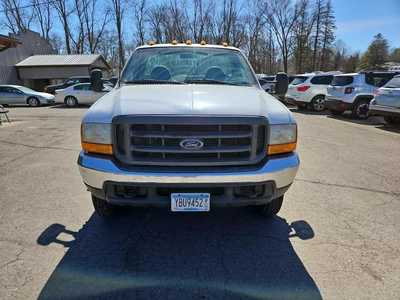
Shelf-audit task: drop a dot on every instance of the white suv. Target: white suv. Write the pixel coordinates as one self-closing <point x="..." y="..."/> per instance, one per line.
<point x="309" y="90"/>
<point x="354" y="91"/>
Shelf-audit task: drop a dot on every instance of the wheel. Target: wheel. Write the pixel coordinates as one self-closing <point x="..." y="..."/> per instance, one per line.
<point x="361" y="110"/>
<point x="272" y="208"/>
<point x="336" y="112"/>
<point x="103" y="208"/>
<point x="318" y="103"/>
<point x="70" y="101"/>
<point x="33" y="102"/>
<point x="392" y="120"/>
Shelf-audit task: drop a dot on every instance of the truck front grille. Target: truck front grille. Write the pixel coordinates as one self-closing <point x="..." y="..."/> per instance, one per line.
<point x="157" y="140"/>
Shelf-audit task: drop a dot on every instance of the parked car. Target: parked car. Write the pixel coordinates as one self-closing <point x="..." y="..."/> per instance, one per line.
<point x="81" y="93"/>
<point x="354" y="91"/>
<point x="193" y="131"/>
<point x="309" y="90"/>
<point x="70" y="81"/>
<point x="16" y="94"/>
<point x="386" y="102"/>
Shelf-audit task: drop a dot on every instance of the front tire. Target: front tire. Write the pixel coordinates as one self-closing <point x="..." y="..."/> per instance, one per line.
<point x="361" y="110"/>
<point x="318" y="103"/>
<point x="70" y="101"/>
<point x="104" y="209"/>
<point x="33" y="102"/>
<point x="272" y="208"/>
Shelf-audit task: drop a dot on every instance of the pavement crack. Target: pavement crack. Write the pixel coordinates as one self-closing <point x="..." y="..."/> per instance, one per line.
<point x="14" y="260"/>
<point x="348" y="186"/>
<point x="39" y="147"/>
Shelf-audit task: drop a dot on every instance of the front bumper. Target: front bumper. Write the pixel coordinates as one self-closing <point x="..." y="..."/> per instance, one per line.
<point x="276" y="175"/>
<point x="337" y="105"/>
<point x="381" y="110"/>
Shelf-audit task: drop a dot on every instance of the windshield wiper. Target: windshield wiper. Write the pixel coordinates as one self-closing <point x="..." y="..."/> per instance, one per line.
<point x="211" y="81"/>
<point x="152" y="81"/>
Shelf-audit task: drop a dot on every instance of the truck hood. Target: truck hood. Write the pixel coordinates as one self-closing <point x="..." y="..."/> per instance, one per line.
<point x="190" y="99"/>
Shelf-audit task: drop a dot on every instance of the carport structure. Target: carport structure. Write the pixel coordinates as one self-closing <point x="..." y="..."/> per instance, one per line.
<point x="40" y="70"/>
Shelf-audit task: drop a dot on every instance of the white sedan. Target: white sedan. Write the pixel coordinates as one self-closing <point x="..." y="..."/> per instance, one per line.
<point x="81" y="93"/>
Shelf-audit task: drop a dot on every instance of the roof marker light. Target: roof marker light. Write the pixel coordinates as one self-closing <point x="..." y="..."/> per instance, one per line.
<point x="225" y="44"/>
<point x="188" y="42"/>
<point x="203" y="42"/>
<point x="151" y="43"/>
<point x="174" y="42"/>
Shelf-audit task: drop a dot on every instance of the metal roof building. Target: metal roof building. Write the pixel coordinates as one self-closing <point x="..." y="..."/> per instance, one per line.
<point x="59" y="66"/>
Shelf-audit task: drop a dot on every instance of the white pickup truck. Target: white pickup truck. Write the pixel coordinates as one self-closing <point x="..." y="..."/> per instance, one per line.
<point x="188" y="127"/>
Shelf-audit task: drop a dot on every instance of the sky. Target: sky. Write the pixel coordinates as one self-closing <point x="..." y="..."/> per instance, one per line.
<point x="358" y="21"/>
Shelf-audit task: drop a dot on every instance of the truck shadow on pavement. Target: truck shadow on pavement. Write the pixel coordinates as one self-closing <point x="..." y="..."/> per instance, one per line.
<point x="154" y="254"/>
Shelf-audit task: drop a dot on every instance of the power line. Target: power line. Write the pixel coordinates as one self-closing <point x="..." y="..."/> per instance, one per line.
<point x="26" y="6"/>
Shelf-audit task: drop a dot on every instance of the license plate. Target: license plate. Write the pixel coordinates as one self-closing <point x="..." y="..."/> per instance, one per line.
<point x="190" y="202"/>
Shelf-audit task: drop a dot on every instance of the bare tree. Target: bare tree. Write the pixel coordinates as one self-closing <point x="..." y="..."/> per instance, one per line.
<point x="64" y="11"/>
<point x="303" y="28"/>
<point x="17" y="19"/>
<point x="154" y="18"/>
<point x="282" y="17"/>
<point x="95" y="21"/>
<point x="255" y="25"/>
<point x="318" y="16"/>
<point x="79" y="32"/>
<point x="43" y="16"/>
<point x="229" y="25"/>
<point x="200" y="19"/>
<point x="140" y="12"/>
<point x="328" y="35"/>
<point x="109" y="49"/>
<point x="118" y="15"/>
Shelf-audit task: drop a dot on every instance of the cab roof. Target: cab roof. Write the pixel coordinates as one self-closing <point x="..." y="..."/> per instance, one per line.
<point x="187" y="46"/>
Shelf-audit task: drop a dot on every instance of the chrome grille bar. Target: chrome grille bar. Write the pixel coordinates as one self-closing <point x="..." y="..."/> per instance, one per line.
<point x="155" y="140"/>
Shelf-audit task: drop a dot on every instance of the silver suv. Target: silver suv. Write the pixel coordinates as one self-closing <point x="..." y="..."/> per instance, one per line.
<point x="354" y="91"/>
<point x="387" y="101"/>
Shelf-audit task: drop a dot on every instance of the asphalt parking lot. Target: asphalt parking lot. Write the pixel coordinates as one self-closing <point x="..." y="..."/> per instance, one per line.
<point x="335" y="238"/>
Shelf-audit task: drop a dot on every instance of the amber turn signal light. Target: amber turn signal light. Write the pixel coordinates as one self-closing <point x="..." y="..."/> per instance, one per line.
<point x="97" y="148"/>
<point x="282" y="148"/>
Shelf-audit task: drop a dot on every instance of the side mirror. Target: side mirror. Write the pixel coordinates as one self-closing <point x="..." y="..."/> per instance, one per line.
<point x="96" y="80"/>
<point x="282" y="84"/>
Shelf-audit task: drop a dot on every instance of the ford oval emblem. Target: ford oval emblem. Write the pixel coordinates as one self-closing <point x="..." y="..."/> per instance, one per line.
<point x="191" y="144"/>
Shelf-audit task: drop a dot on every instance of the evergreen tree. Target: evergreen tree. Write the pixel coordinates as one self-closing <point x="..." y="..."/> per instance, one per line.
<point x="395" y="55"/>
<point x="377" y="53"/>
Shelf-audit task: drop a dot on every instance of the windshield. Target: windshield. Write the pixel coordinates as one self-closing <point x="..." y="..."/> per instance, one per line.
<point x="299" y="79"/>
<point x="394" y="83"/>
<point x="342" y="80"/>
<point x="188" y="65"/>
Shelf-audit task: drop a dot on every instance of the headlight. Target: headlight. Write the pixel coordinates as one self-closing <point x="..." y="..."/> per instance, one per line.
<point x="282" y="138"/>
<point x="96" y="138"/>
